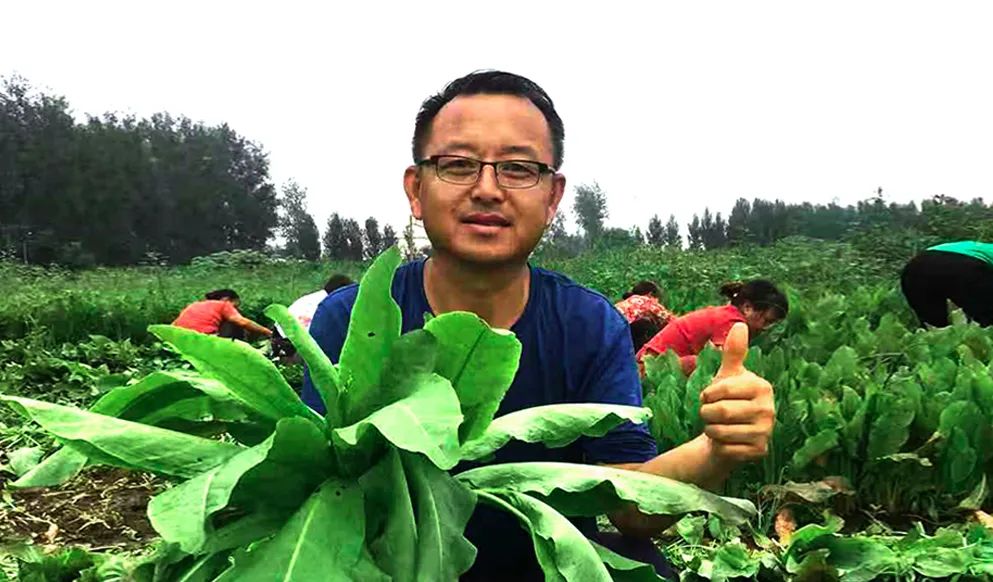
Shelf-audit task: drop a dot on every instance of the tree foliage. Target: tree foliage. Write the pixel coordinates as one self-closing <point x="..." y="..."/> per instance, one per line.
<point x="297" y="226"/>
<point x="115" y="188"/>
<point x="591" y="210"/>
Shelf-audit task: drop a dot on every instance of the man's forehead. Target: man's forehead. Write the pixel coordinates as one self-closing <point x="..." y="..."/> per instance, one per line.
<point x="491" y="122"/>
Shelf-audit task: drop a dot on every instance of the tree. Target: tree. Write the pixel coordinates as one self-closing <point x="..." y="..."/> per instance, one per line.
<point x="637" y="236"/>
<point x="656" y="233"/>
<point x="354" y="246"/>
<point x="409" y="244"/>
<point x="114" y="189"/>
<point x="737" y="231"/>
<point x="713" y="230"/>
<point x="591" y="210"/>
<point x="296" y="225"/>
<point x="389" y="237"/>
<point x="373" y="239"/>
<point x="670" y="236"/>
<point x="335" y="242"/>
<point x="695" y="235"/>
<point x="557" y="242"/>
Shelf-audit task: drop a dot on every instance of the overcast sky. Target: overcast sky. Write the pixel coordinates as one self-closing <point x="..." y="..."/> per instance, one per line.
<point x="669" y="107"/>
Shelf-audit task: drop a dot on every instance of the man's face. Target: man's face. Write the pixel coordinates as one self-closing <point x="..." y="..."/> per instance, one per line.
<point x="484" y="223"/>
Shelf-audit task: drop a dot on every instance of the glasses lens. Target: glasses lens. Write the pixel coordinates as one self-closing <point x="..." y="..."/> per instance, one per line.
<point x="458" y="170"/>
<point x="518" y="174"/>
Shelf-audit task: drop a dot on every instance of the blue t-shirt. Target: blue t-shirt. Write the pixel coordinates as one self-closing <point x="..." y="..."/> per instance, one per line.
<point x="576" y="347"/>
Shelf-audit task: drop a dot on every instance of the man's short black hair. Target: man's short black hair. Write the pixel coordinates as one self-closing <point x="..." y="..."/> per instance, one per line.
<point x="490" y="83"/>
<point x="337" y="281"/>
<point x="219" y="294"/>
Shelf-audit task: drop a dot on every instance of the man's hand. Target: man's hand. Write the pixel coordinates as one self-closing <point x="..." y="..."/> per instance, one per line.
<point x="737" y="409"/>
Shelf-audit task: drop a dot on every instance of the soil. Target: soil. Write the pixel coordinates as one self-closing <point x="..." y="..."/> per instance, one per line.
<point x="103" y="508"/>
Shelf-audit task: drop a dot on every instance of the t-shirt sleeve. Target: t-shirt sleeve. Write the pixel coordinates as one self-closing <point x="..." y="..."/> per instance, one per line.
<point x="328" y="328"/>
<point x="615" y="380"/>
<point x="229" y="311"/>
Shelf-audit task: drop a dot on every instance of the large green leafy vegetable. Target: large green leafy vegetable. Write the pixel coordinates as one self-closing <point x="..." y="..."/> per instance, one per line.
<point x="363" y="493"/>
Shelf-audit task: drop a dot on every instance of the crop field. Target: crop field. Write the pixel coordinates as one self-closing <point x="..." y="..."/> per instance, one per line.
<point x="135" y="452"/>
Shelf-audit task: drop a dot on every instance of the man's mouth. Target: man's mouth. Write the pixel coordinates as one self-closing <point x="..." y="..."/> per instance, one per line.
<point x="486" y="219"/>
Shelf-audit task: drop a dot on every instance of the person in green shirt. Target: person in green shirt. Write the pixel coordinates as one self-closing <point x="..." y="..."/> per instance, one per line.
<point x="959" y="271"/>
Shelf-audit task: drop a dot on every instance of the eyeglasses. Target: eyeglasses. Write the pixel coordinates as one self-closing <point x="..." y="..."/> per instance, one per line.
<point x="513" y="174"/>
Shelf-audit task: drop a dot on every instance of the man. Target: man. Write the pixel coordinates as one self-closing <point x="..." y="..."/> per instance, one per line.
<point x="217" y="314"/>
<point x="303" y="310"/>
<point x="958" y="271"/>
<point x="485" y="184"/>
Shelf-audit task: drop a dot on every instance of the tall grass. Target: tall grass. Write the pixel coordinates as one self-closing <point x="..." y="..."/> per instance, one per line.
<point x="120" y="303"/>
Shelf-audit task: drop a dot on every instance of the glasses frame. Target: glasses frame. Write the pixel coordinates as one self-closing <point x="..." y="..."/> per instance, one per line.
<point x="543" y="169"/>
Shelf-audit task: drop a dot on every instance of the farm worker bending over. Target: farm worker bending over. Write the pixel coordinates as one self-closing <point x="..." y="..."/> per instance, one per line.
<point x="643" y="309"/>
<point x="485" y="183"/>
<point x="303" y="311"/>
<point x="961" y="272"/>
<point x="757" y="303"/>
<point x="218" y="314"/>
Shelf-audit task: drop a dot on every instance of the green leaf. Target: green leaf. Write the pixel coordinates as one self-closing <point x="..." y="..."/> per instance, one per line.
<point x="373" y="328"/>
<point x="563" y="552"/>
<point x="623" y="569"/>
<point x="897" y="408"/>
<point x="244" y="531"/>
<point x="806" y="535"/>
<point x="813" y="447"/>
<point x="443" y="507"/>
<point x="57" y="468"/>
<point x="250" y="376"/>
<point x="155" y="391"/>
<point x="124" y="443"/>
<point x="156" y="399"/>
<point x="733" y="560"/>
<point x="24" y="459"/>
<point x="706" y="366"/>
<point x="479" y="361"/>
<point x="203" y="569"/>
<point x="690" y="528"/>
<point x="555" y="425"/>
<point x="410" y="362"/>
<point x="391" y="531"/>
<point x="978" y="496"/>
<point x="323" y="541"/>
<point x="322" y="372"/>
<point x="182" y="514"/>
<point x="425" y="422"/>
<point x="590" y="490"/>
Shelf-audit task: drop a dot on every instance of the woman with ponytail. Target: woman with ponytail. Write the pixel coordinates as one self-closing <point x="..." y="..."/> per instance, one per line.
<point x="642" y="307"/>
<point x="757" y="303"/>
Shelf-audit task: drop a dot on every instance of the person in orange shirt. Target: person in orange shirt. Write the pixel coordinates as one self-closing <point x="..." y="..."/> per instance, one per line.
<point x="218" y="315"/>
<point x="757" y="303"/>
<point x="642" y="308"/>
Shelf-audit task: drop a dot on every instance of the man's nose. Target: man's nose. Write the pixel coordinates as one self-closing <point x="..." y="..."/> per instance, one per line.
<point x="487" y="188"/>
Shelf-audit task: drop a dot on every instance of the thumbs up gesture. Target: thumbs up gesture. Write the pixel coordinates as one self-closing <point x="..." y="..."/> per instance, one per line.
<point x="737" y="409"/>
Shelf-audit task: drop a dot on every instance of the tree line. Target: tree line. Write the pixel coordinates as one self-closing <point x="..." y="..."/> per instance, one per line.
<point x="114" y="189"/>
<point x="119" y="190"/>
<point x="889" y="229"/>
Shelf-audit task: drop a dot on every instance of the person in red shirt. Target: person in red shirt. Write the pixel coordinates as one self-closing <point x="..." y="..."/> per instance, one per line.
<point x="642" y="308"/>
<point x="757" y="303"/>
<point x="218" y="315"/>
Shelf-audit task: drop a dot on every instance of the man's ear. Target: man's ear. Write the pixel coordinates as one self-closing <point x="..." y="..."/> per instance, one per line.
<point x="412" y="186"/>
<point x="558" y="191"/>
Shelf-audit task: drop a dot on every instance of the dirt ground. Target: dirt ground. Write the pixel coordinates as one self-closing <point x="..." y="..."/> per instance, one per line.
<point x="103" y="508"/>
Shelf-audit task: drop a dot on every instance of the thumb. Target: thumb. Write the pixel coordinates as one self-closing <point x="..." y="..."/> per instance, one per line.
<point x="735" y="351"/>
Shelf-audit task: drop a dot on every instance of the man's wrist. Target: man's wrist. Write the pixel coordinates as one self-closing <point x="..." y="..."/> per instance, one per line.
<point x="720" y="466"/>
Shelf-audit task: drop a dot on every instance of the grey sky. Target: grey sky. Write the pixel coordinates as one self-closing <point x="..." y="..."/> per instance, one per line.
<point x="671" y="107"/>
